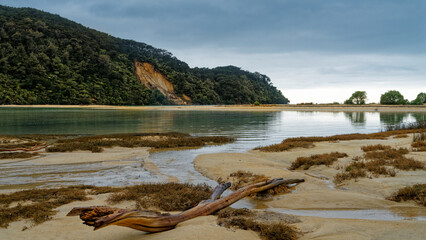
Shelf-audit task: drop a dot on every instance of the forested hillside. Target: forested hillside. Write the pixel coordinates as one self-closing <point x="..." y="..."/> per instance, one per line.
<point x="47" y="59"/>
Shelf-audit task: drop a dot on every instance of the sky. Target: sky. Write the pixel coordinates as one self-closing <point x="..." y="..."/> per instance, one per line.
<point x="317" y="51"/>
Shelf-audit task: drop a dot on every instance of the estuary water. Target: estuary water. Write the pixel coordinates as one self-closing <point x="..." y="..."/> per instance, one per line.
<point x="250" y="129"/>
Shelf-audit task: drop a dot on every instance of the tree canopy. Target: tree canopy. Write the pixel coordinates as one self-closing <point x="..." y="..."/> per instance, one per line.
<point x="358" y="97"/>
<point x="392" y="97"/>
<point x="47" y="59"/>
<point x="420" y="99"/>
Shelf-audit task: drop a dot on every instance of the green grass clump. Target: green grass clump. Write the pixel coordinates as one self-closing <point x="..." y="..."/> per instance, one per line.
<point x="416" y="193"/>
<point x="318" y="159"/>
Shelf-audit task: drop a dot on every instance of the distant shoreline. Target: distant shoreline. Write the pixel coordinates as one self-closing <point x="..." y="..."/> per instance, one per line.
<point x="248" y="107"/>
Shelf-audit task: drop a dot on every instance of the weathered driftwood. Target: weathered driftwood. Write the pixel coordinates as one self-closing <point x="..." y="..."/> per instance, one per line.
<point x="31" y="149"/>
<point x="152" y="221"/>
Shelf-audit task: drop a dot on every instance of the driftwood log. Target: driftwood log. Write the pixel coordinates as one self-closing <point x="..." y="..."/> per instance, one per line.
<point x="152" y="221"/>
<point x="30" y="149"/>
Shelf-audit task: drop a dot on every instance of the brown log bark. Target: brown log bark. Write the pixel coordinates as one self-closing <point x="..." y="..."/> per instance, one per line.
<point x="31" y="149"/>
<point x="152" y="221"/>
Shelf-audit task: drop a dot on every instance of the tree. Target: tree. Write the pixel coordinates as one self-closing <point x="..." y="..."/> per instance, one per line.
<point x="420" y="99"/>
<point x="392" y="97"/>
<point x="358" y="97"/>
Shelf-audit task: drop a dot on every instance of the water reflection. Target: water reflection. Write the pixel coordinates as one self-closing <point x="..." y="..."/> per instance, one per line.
<point x="419" y="116"/>
<point x="357" y="118"/>
<point x="391" y="118"/>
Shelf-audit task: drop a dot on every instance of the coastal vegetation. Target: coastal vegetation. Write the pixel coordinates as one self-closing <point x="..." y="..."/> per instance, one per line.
<point x="157" y="141"/>
<point x="266" y="227"/>
<point x="378" y="160"/>
<point x="317" y="159"/>
<point x="47" y="59"/>
<point x="38" y="205"/>
<point x="416" y="193"/>
<point x="308" y="142"/>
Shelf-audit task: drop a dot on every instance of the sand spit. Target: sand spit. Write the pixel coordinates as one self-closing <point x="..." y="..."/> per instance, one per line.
<point x="319" y="193"/>
<point x="248" y="107"/>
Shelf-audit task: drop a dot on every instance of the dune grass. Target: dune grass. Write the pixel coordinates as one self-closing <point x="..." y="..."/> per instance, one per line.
<point x="317" y="159"/>
<point x="247" y="220"/>
<point x="416" y="193"/>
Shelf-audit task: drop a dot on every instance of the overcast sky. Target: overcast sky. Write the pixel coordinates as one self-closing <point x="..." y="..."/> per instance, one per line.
<point x="313" y="50"/>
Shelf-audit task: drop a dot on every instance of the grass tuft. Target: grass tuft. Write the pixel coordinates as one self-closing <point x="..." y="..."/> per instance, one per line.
<point x="370" y="148"/>
<point x="318" y="159"/>
<point x="416" y="193"/>
<point x="246" y="220"/>
<point x="379" y="162"/>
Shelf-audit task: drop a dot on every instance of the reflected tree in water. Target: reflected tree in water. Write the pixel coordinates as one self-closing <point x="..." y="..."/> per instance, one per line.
<point x="356" y="118"/>
<point x="392" y="118"/>
<point x="419" y="116"/>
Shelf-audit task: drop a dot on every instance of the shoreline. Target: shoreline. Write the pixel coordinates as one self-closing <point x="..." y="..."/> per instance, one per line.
<point x="247" y="107"/>
<point x="317" y="193"/>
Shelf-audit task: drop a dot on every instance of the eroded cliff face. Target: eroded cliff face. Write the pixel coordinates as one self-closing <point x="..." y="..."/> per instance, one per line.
<point x="155" y="80"/>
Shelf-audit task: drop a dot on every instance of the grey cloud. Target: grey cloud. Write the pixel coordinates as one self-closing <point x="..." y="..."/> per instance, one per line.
<point x="259" y="26"/>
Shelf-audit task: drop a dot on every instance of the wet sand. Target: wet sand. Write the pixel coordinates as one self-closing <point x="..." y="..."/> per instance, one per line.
<point x="248" y="107"/>
<point x="319" y="193"/>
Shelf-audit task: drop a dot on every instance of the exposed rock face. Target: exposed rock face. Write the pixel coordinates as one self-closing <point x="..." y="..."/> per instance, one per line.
<point x="155" y="80"/>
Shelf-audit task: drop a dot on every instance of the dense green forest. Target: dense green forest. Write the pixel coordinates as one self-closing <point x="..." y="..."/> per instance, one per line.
<point x="47" y="59"/>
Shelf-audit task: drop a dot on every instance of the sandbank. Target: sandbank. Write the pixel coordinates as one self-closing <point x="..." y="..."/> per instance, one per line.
<point x="248" y="107"/>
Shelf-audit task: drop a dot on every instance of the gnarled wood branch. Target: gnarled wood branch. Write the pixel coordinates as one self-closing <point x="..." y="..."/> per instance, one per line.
<point x="30" y="149"/>
<point x="152" y="221"/>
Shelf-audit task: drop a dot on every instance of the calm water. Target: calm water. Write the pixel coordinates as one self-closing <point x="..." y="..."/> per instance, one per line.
<point x="251" y="129"/>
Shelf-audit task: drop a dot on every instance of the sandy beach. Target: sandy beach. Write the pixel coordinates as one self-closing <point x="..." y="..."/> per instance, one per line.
<point x="318" y="194"/>
<point x="269" y="107"/>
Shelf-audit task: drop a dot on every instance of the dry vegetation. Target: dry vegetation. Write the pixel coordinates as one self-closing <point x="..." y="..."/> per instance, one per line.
<point x="317" y="159"/>
<point x="377" y="147"/>
<point x="308" y="142"/>
<point x="13" y="155"/>
<point x="38" y="204"/>
<point x="242" y="179"/>
<point x="159" y="140"/>
<point x="249" y="220"/>
<point x="419" y="142"/>
<point x="164" y="196"/>
<point x="379" y="162"/>
<point x="416" y="193"/>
